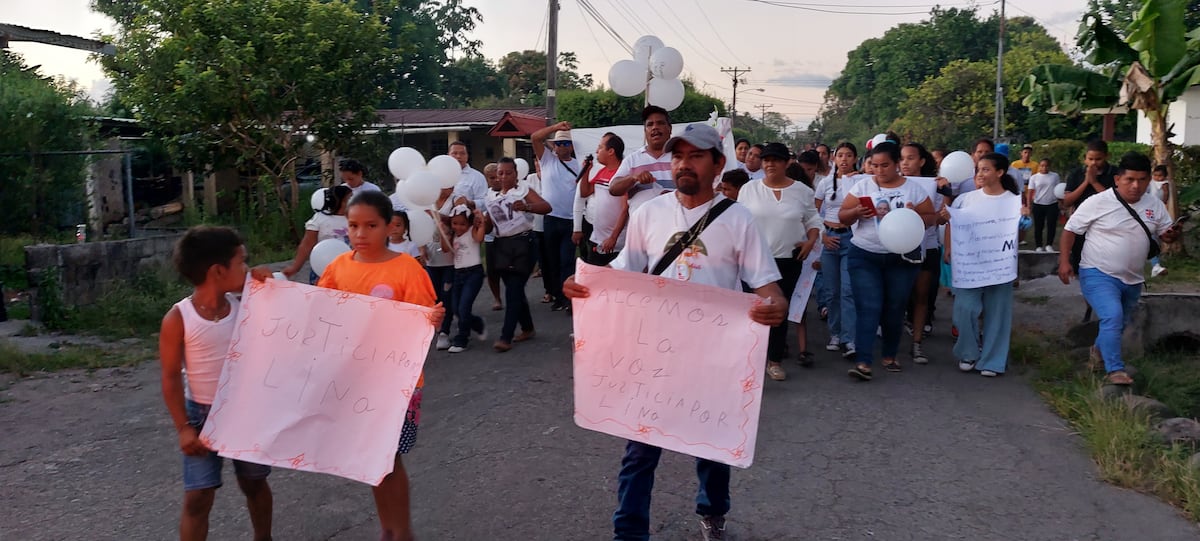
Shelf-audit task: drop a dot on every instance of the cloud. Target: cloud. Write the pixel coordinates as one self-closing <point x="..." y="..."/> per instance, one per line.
<point x="801" y="79"/>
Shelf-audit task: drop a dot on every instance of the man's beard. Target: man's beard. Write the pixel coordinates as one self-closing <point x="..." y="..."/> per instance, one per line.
<point x="687" y="184"/>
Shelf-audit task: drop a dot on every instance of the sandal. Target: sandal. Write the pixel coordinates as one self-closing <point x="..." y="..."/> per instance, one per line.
<point x="891" y="365"/>
<point x="775" y="371"/>
<point x="861" y="371"/>
<point x="805" y="359"/>
<point x="1118" y="377"/>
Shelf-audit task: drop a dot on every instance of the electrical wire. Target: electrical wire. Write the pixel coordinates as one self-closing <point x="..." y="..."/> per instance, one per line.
<point x="630" y="17"/>
<point x="604" y="24"/>
<point x="807" y="7"/>
<point x="699" y="50"/>
<point x="542" y="28"/>
<point x="717" y="33"/>
<point x="583" y="15"/>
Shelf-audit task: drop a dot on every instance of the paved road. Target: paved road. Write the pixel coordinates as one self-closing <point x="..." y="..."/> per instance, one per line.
<point x="928" y="454"/>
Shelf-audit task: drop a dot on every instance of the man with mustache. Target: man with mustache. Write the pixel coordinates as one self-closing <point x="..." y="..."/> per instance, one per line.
<point x="646" y="172"/>
<point x="731" y="252"/>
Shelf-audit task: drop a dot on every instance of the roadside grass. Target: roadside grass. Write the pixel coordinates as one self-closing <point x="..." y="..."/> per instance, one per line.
<point x="132" y="309"/>
<point x="1124" y="443"/>
<point x="14" y="360"/>
<point x="1180" y="270"/>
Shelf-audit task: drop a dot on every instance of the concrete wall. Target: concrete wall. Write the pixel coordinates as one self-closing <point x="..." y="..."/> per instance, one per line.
<point x="85" y="271"/>
<point x="1159" y="316"/>
<point x="1032" y="264"/>
<point x="106" y="190"/>
<point x="1184" y="114"/>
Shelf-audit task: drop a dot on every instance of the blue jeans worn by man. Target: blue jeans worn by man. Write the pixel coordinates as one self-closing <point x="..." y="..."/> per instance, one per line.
<point x="1113" y="301"/>
<point x="631" y="521"/>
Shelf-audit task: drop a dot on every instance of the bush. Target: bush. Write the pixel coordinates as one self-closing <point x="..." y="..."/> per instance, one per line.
<point x="1064" y="154"/>
<point x="1116" y="149"/>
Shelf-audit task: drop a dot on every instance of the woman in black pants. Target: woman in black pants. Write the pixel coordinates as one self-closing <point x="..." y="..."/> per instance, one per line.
<point x="1045" y="206"/>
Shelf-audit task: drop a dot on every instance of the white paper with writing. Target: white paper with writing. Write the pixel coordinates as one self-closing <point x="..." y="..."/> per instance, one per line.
<point x="984" y="243"/>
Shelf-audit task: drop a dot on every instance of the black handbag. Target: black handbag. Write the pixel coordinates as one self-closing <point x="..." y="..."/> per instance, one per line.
<point x="1154" y="247"/>
<point x="514" y="254"/>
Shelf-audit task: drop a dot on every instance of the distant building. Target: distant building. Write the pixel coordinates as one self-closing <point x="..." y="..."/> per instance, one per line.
<point x="1183" y="119"/>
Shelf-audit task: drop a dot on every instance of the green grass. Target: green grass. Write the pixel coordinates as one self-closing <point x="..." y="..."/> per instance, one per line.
<point x="1124" y="443"/>
<point x="15" y="361"/>
<point x="1180" y="270"/>
<point x="128" y="310"/>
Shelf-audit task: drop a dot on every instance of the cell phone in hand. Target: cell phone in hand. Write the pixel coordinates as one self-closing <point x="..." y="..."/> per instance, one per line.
<point x="869" y="203"/>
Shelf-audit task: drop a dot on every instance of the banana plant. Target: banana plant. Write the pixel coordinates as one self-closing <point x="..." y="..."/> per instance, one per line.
<point x="1147" y="69"/>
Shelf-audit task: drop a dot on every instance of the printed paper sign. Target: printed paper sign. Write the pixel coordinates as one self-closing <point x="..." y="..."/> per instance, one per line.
<point x="318" y="380"/>
<point x="983" y="238"/>
<point x="669" y="363"/>
<point x="804" y="285"/>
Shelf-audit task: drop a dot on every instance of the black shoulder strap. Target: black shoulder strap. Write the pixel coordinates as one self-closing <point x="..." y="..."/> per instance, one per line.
<point x="690" y="236"/>
<point x="568" y="168"/>
<point x="1134" y="213"/>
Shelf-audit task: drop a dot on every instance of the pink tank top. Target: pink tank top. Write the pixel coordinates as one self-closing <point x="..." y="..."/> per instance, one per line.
<point x="205" y="344"/>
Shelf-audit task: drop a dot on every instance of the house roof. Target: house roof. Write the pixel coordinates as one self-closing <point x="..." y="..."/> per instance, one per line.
<point x="437" y="117"/>
<point x="517" y="125"/>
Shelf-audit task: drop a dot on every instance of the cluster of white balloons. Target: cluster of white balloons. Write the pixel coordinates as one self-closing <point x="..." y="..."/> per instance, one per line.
<point x="654" y="69"/>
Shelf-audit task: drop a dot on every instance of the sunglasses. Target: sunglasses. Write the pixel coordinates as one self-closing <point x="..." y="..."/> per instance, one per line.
<point x="562" y="143"/>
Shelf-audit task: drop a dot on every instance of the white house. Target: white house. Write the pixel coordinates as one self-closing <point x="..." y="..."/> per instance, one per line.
<point x="1183" y="119"/>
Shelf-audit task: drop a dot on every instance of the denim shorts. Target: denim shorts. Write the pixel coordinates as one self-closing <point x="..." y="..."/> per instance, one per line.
<point x="201" y="472"/>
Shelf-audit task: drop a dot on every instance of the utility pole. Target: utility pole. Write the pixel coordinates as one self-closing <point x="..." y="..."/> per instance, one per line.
<point x="763" y="109"/>
<point x="736" y="74"/>
<point x="552" y="63"/>
<point x="998" y="123"/>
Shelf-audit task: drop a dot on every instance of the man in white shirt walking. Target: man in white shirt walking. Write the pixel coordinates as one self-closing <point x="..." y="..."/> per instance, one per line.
<point x="472" y="188"/>
<point x="725" y="255"/>
<point x="1118" y="224"/>
<point x="608" y="213"/>
<point x="559" y="172"/>
<point x="646" y="172"/>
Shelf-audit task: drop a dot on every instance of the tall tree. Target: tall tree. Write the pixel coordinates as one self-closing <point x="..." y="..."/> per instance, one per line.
<point x="41" y="115"/>
<point x="468" y="79"/>
<point x="605" y="108"/>
<point x="525" y="75"/>
<point x="241" y="83"/>
<point x="1148" y="68"/>
<point x="871" y="86"/>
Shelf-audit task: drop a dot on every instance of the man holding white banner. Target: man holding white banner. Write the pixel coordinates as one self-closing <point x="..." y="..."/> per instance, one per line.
<point x="982" y="243"/>
<point x="672" y="237"/>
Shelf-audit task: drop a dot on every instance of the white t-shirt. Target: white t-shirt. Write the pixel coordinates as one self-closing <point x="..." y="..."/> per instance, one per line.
<point x="638" y="162"/>
<point x="756" y="175"/>
<point x="558" y="184"/>
<point x="1116" y="245"/>
<point x="437" y="257"/>
<point x="784" y="222"/>
<point x="606" y="210"/>
<point x="466" y="251"/>
<point x="471" y="185"/>
<point x="407" y="247"/>
<point x="932" y="239"/>
<point x="1158" y="189"/>
<point x="1043" y="188"/>
<point x="509" y="222"/>
<point x="866" y="230"/>
<point x="978" y="197"/>
<point x="831" y="199"/>
<point x="731" y="250"/>
<point x="328" y="226"/>
<point x="368" y="186"/>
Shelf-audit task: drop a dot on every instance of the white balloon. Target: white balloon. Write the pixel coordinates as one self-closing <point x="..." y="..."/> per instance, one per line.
<point x="325" y="252"/>
<point x="665" y="93"/>
<point x="522" y="167"/>
<point x="405" y="161"/>
<point x="644" y="48"/>
<point x="447" y="170"/>
<point x="1060" y="191"/>
<point x="627" y="78"/>
<point x="318" y="199"/>
<point x="421" y="227"/>
<point x="957" y="166"/>
<point x="666" y="63"/>
<point x="901" y="230"/>
<point x="422" y="188"/>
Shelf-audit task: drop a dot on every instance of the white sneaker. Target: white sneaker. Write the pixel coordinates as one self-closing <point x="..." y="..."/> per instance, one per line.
<point x="1050" y="249"/>
<point x="482" y="334"/>
<point x="1157" y="271"/>
<point x="834" y="344"/>
<point x="966" y="366"/>
<point x="1039" y="249"/>
<point x="988" y="373"/>
<point x="457" y="349"/>
<point x="443" y="341"/>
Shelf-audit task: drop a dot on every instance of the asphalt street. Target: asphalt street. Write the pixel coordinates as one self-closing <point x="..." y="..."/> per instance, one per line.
<point x="927" y="454"/>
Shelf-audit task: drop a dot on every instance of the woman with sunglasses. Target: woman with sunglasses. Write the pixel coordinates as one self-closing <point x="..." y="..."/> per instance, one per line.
<point x="882" y="281"/>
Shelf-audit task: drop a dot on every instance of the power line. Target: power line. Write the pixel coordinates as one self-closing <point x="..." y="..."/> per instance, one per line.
<point x="541" y="28"/>
<point x="604" y="24"/>
<point x="583" y="15"/>
<point x="806" y="7"/>
<point x="700" y="51"/>
<point x="717" y="33"/>
<point x="632" y="18"/>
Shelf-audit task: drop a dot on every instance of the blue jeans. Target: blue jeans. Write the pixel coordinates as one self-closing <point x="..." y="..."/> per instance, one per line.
<point x="516" y="306"/>
<point x="467" y="283"/>
<point x="443" y="282"/>
<point x="882" y="284"/>
<point x="560" y="253"/>
<point x="204" y="471"/>
<point x="1113" y="301"/>
<point x="994" y="303"/>
<point x="835" y="286"/>
<point x="631" y="521"/>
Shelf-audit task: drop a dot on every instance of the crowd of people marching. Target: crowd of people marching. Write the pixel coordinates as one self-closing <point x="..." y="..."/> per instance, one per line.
<point x="648" y="209"/>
